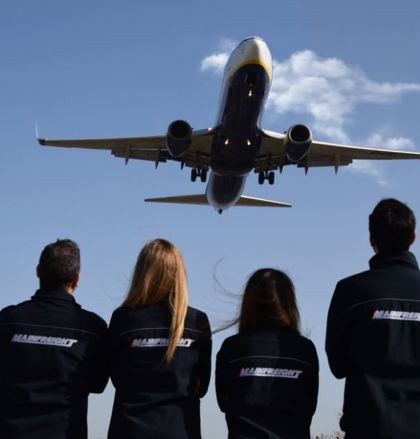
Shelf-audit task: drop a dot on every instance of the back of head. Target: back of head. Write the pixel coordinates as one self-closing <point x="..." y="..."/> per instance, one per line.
<point x="269" y="300"/>
<point x="59" y="264"/>
<point x="392" y="226"/>
<point x="159" y="277"/>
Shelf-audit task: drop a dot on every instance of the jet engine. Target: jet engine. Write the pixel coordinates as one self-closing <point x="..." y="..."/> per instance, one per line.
<point x="178" y="138"/>
<point x="298" y="142"/>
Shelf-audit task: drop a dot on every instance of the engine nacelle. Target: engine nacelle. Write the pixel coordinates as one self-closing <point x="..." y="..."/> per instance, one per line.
<point x="178" y="138"/>
<point x="298" y="142"/>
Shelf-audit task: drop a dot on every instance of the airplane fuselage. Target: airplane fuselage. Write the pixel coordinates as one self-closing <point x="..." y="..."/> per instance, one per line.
<point x="246" y="83"/>
<point x="236" y="145"/>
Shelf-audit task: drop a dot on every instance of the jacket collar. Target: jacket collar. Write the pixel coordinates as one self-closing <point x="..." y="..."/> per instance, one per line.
<point x="58" y="294"/>
<point x="381" y="260"/>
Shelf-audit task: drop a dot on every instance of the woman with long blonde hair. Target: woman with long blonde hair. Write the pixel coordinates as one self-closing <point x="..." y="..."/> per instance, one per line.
<point x="267" y="374"/>
<point x="159" y="351"/>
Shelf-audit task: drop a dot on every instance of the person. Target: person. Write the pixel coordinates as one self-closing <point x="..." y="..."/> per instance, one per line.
<point x="160" y="351"/>
<point x="53" y="354"/>
<point x="267" y="374"/>
<point x="373" y="332"/>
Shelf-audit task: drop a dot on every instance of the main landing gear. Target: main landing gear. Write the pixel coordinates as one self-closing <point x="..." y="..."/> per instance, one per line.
<point x="265" y="175"/>
<point x="202" y="173"/>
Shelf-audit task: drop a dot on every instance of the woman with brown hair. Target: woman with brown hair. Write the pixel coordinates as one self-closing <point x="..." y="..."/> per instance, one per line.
<point x="159" y="351"/>
<point x="267" y="374"/>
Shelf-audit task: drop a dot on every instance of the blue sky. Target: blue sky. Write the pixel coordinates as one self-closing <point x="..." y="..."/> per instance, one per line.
<point x="127" y="68"/>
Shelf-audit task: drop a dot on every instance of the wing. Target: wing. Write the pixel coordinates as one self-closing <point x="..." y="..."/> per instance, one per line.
<point x="145" y="148"/>
<point x="273" y="153"/>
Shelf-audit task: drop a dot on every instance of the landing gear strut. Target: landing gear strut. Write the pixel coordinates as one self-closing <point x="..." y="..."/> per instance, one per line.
<point x="202" y="173"/>
<point x="265" y="175"/>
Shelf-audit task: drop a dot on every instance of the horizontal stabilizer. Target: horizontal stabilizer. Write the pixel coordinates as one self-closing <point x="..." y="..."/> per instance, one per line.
<point x="261" y="202"/>
<point x="181" y="199"/>
<point x="201" y="199"/>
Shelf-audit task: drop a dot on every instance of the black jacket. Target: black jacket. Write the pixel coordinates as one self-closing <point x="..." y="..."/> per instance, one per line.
<point x="154" y="399"/>
<point x="373" y="340"/>
<point x="52" y="355"/>
<point x="267" y="384"/>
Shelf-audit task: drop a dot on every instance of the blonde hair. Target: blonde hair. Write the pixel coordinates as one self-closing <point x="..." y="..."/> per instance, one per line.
<point x="159" y="276"/>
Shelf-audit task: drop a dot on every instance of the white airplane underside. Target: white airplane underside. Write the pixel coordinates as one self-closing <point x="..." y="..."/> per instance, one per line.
<point x="236" y="145"/>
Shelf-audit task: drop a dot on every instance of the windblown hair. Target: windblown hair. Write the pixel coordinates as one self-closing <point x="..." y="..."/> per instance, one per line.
<point x="159" y="277"/>
<point x="392" y="226"/>
<point x="59" y="264"/>
<point x="269" y="300"/>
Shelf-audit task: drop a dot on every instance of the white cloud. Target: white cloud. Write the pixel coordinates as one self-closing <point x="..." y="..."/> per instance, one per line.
<point x="378" y="140"/>
<point x="329" y="91"/>
<point x="215" y="63"/>
<point x="369" y="168"/>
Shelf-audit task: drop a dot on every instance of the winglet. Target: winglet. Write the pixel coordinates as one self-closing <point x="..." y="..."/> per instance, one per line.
<point x="41" y="140"/>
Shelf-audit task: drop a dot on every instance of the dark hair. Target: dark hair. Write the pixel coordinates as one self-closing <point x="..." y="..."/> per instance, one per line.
<point x="392" y="226"/>
<point x="269" y="299"/>
<point x="59" y="264"/>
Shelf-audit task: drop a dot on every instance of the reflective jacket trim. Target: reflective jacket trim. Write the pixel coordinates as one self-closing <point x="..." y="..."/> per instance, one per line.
<point x="387" y="299"/>
<point x="49" y="326"/>
<point x="161" y="327"/>
<point x="271" y="357"/>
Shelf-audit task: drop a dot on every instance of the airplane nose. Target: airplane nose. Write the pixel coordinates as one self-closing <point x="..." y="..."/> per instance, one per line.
<point x="252" y="50"/>
<point x="255" y="48"/>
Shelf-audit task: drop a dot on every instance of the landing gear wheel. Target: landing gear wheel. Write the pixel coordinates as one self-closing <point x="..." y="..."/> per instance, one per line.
<point x="203" y="175"/>
<point x="194" y="174"/>
<point x="270" y="177"/>
<point x="261" y="177"/>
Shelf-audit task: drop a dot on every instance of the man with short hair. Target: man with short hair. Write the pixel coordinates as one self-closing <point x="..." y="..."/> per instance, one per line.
<point x="373" y="333"/>
<point x="52" y="354"/>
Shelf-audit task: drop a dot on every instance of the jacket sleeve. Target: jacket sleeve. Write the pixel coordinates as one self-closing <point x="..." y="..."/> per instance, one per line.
<point x="336" y="343"/>
<point x="113" y="348"/>
<point x="205" y="358"/>
<point x="101" y="369"/>
<point x="315" y="383"/>
<point x="222" y="380"/>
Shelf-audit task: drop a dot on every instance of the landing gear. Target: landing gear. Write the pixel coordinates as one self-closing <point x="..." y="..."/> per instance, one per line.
<point x="194" y="174"/>
<point x="265" y="175"/>
<point x="202" y="173"/>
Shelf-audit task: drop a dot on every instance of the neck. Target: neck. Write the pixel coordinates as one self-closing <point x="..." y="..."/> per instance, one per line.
<point x="67" y="289"/>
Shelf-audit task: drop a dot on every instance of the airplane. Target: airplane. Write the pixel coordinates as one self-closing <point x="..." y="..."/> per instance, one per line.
<point x="236" y="145"/>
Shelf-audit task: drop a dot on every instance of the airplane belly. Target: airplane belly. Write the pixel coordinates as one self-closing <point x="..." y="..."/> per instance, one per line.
<point x="224" y="191"/>
<point x="243" y="98"/>
<point x="237" y="139"/>
<point x="236" y="159"/>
